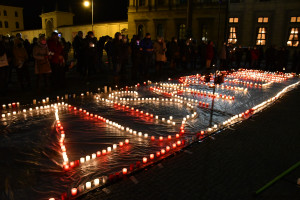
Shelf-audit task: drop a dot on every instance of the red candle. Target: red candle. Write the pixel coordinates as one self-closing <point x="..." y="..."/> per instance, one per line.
<point x="168" y="148"/>
<point x="126" y="141"/>
<point x="74" y="191"/>
<point x="98" y="153"/>
<point x="161" y="138"/>
<point x="151" y="156"/>
<point x="169" y="137"/>
<point x="121" y="144"/>
<point x="144" y="160"/>
<point x="152" y="138"/>
<point x="124" y="171"/>
<point x="157" y="154"/>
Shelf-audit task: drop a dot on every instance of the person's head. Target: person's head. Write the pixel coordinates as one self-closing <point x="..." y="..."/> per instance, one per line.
<point x="42" y="39"/>
<point x="54" y="36"/>
<point x="90" y="34"/>
<point x="80" y="34"/>
<point x="124" y="39"/>
<point x="148" y="35"/>
<point x="19" y="35"/>
<point x="118" y="36"/>
<point x="159" y="39"/>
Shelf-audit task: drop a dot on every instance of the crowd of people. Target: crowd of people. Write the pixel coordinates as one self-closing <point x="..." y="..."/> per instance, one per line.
<point x="145" y="56"/>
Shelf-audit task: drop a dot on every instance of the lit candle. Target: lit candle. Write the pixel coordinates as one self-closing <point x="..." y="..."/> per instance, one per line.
<point x="96" y="182"/>
<point x="74" y="191"/>
<point x="88" y="185"/>
<point x="124" y="171"/>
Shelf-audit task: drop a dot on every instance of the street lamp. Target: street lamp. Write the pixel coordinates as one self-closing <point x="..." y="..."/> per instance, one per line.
<point x="87" y="3"/>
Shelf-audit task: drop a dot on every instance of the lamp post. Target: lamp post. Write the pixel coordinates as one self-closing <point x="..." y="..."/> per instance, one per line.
<point x="87" y="3"/>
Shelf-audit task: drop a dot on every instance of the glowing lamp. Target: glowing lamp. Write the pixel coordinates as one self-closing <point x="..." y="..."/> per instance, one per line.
<point x="96" y="182"/>
<point x="151" y="156"/>
<point x="88" y="185"/>
<point x="98" y="153"/>
<point x="145" y="160"/>
<point x="126" y="141"/>
<point x="82" y="160"/>
<point x="168" y="148"/>
<point x="87" y="158"/>
<point x="74" y="191"/>
<point x="124" y="171"/>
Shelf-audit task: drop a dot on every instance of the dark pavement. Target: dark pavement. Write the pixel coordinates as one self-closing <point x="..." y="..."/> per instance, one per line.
<point x="232" y="165"/>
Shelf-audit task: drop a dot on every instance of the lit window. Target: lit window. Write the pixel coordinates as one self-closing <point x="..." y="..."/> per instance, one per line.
<point x="261" y="36"/>
<point x="295" y="19"/>
<point x="233" y="20"/>
<point x="263" y="20"/>
<point x="293" y="40"/>
<point x="232" y="35"/>
<point x="181" y="32"/>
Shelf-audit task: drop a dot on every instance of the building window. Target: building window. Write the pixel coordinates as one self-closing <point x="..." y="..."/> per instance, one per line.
<point x="204" y="32"/>
<point x="6" y="24"/>
<point x="295" y="19"/>
<point x="263" y="20"/>
<point x="293" y="38"/>
<point x="233" y="20"/>
<point x="1" y="24"/>
<point x="181" y="31"/>
<point x="141" y="31"/>
<point x="261" y="36"/>
<point x="232" y="35"/>
<point x="17" y="25"/>
<point x="160" y="30"/>
<point x="16" y="14"/>
<point x="4" y="13"/>
<point x="181" y="2"/>
<point x="142" y="2"/>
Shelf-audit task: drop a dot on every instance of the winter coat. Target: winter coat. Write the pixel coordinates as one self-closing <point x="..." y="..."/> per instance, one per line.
<point x="159" y="49"/>
<point x="56" y="50"/>
<point x="40" y="54"/>
<point x="19" y="56"/>
<point x="209" y="52"/>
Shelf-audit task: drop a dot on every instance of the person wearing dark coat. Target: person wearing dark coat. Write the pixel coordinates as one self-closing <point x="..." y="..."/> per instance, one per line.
<point x="117" y="56"/>
<point x="174" y="53"/>
<point x="146" y="46"/>
<point x="90" y="54"/>
<point x="135" y="56"/>
<point x="78" y="45"/>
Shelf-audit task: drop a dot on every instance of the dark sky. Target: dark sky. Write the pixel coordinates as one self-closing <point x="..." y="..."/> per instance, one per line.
<point x="104" y="10"/>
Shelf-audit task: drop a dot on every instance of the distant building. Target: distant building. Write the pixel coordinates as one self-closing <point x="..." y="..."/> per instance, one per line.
<point x="242" y="22"/>
<point x="199" y="19"/>
<point x="11" y="19"/>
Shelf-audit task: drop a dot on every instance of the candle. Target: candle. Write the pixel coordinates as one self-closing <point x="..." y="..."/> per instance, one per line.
<point x="34" y="101"/>
<point x="74" y="191"/>
<point x="96" y="182"/>
<point x="4" y="106"/>
<point x="144" y="160"/>
<point x="124" y="171"/>
<point x="88" y="185"/>
<point x="151" y="156"/>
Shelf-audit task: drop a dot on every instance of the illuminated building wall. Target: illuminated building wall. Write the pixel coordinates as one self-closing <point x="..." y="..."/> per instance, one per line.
<point x="11" y="19"/>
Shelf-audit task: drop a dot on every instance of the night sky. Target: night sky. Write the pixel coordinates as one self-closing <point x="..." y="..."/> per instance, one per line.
<point x="104" y="10"/>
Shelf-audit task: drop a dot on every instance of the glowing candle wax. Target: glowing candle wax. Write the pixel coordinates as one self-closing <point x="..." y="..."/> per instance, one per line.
<point x="88" y="185"/>
<point x="96" y="181"/>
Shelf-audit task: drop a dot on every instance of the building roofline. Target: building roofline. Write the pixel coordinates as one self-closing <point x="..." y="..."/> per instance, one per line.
<point x="11" y="6"/>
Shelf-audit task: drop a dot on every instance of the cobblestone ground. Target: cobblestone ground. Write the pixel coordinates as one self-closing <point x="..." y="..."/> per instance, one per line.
<point x="231" y="166"/>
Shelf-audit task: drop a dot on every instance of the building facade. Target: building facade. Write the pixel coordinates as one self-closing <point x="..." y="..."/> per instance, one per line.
<point x="264" y="22"/>
<point x="63" y="22"/>
<point x="199" y="19"/>
<point x="11" y="19"/>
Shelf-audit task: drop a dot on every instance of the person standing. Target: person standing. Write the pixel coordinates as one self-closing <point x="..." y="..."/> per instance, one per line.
<point x="78" y="51"/>
<point x="209" y="54"/>
<point x="174" y="53"/>
<point x="159" y="49"/>
<point x="42" y="64"/>
<point x="3" y="68"/>
<point x="146" y="46"/>
<point x="117" y="56"/>
<point x="135" y="56"/>
<point x="90" y="54"/>
<point x="20" y="58"/>
<point x="57" y="61"/>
